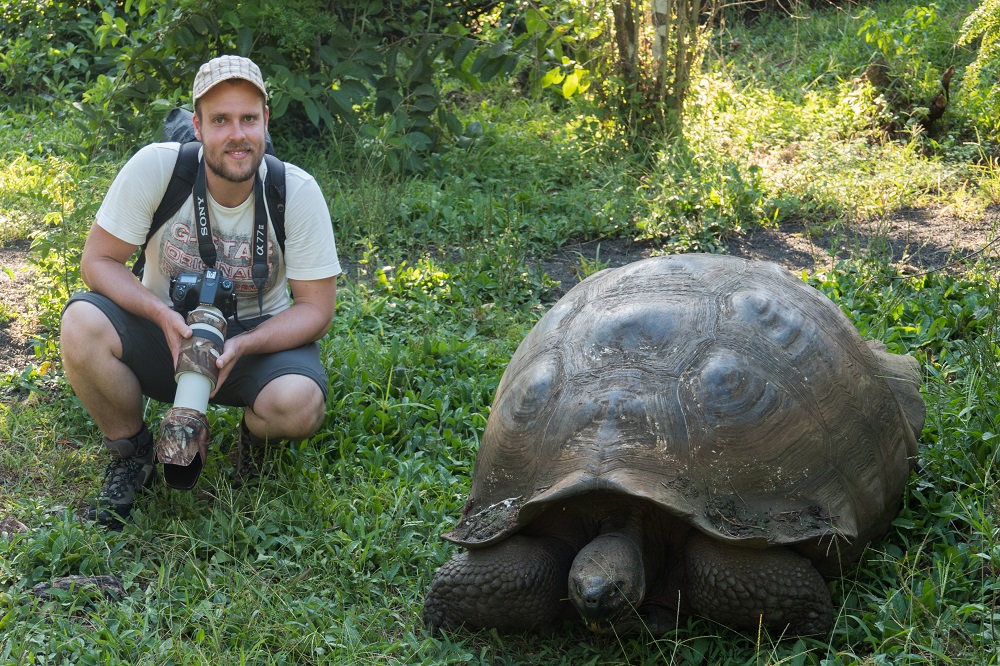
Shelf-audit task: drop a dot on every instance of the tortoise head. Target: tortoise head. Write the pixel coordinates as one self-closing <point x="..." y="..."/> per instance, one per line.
<point x="607" y="581"/>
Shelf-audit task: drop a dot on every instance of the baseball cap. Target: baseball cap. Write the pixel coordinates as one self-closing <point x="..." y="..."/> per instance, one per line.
<point x="225" y="68"/>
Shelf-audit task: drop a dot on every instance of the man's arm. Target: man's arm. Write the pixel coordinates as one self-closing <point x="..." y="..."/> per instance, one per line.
<point x="307" y="320"/>
<point x="103" y="270"/>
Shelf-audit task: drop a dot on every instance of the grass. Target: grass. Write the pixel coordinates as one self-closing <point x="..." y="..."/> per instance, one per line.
<point x="327" y="561"/>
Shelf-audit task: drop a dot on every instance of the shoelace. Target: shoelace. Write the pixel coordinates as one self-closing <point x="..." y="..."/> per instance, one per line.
<point x="119" y="474"/>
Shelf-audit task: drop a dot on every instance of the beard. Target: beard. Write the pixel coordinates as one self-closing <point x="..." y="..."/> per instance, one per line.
<point x="241" y="172"/>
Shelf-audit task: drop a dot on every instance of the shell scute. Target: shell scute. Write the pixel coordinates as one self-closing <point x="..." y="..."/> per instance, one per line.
<point x="727" y="392"/>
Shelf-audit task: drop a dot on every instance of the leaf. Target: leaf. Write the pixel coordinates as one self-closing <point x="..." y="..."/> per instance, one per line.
<point x="425" y="90"/>
<point x="489" y="56"/>
<point x="418" y="71"/>
<point x="451" y="121"/>
<point x="344" y="105"/>
<point x="462" y="52"/>
<point x="311" y="110"/>
<point x="468" y="79"/>
<point x="244" y="40"/>
<point x="426" y="104"/>
<point x="279" y="104"/>
<point x="491" y="69"/>
<point x="534" y="22"/>
<point x="571" y="85"/>
<point x="417" y="141"/>
<point x="552" y="77"/>
<point x="200" y="25"/>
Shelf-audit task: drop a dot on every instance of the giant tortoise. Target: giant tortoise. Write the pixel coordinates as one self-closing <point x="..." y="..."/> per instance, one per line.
<point x="687" y="435"/>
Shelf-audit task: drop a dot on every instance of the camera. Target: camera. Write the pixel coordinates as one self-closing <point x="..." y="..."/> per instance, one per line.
<point x="206" y="300"/>
<point x="189" y="290"/>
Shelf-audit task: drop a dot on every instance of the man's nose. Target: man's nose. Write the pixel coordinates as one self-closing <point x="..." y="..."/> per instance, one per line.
<point x="237" y="130"/>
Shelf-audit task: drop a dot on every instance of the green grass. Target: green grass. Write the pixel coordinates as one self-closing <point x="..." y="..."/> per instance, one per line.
<point x="327" y="561"/>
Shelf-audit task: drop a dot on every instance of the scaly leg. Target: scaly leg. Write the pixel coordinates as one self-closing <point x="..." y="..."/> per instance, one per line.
<point x="519" y="583"/>
<point x="744" y="587"/>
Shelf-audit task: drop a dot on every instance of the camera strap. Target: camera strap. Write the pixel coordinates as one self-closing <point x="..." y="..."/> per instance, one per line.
<point x="258" y="271"/>
<point x="206" y="241"/>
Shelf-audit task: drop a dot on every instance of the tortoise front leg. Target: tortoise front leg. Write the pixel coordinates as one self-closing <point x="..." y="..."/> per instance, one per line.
<point x="745" y="587"/>
<point x="519" y="583"/>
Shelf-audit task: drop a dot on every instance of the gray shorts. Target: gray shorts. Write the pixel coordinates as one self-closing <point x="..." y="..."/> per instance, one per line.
<point x="145" y="352"/>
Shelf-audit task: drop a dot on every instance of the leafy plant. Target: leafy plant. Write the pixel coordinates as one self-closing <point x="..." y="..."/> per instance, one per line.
<point x="347" y="70"/>
<point x="693" y="204"/>
<point x="589" y="267"/>
<point x="910" y="69"/>
<point x="983" y="25"/>
<point x="49" y="48"/>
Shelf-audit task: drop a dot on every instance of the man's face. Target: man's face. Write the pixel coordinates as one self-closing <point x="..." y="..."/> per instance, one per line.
<point x="231" y="123"/>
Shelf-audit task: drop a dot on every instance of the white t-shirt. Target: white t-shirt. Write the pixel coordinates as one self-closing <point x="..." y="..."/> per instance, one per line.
<point x="310" y="249"/>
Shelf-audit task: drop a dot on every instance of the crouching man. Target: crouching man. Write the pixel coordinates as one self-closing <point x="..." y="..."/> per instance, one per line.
<point x="125" y="339"/>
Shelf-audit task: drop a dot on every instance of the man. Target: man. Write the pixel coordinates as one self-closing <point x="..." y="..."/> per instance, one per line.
<point x="120" y="340"/>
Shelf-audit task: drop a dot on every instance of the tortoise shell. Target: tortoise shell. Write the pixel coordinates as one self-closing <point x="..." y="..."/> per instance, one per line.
<point x="725" y="391"/>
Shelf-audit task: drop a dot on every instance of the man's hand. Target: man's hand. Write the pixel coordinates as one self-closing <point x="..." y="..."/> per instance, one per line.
<point x="175" y="330"/>
<point x="307" y="320"/>
<point x="230" y="354"/>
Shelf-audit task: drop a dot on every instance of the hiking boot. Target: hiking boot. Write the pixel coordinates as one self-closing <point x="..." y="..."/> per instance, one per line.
<point x="132" y="469"/>
<point x="250" y="456"/>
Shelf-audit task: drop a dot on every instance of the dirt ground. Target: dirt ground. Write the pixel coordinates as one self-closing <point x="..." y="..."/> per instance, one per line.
<point x="16" y="325"/>
<point x="917" y="240"/>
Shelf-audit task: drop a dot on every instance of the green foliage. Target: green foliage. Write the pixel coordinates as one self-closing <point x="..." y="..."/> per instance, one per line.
<point x="945" y="535"/>
<point x="589" y="266"/>
<point x="915" y="50"/>
<point x="347" y="70"/>
<point x="983" y="25"/>
<point x="49" y="48"/>
<point x="361" y="69"/>
<point x="328" y="559"/>
<point x="794" y="102"/>
<point x="901" y="38"/>
<point x="695" y="202"/>
<point x="564" y="45"/>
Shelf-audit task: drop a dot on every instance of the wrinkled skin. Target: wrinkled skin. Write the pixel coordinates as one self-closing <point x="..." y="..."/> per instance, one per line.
<point x="615" y="583"/>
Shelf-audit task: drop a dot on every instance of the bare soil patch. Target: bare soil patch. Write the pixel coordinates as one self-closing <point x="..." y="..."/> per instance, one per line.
<point x="17" y="325"/>
<point x="916" y="240"/>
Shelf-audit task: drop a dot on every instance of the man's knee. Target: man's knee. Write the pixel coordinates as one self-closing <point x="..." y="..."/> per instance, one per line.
<point x="86" y="332"/>
<point x="292" y="404"/>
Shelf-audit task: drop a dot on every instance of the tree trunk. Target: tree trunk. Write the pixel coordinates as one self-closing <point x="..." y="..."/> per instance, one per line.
<point x="627" y="41"/>
<point x="688" y="12"/>
<point x="663" y="26"/>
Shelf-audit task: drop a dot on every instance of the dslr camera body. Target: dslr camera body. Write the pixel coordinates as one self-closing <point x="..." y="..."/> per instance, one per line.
<point x="206" y="300"/>
<point x="189" y="290"/>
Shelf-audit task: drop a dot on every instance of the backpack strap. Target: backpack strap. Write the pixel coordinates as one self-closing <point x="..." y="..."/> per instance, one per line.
<point x="182" y="181"/>
<point x="178" y="191"/>
<point x="274" y="193"/>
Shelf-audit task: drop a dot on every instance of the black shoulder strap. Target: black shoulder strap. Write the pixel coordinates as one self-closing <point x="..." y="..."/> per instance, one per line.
<point x="179" y="189"/>
<point x="274" y="192"/>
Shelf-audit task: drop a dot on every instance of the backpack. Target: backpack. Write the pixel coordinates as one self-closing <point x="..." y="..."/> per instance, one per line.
<point x="177" y="127"/>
